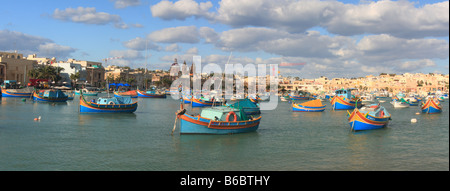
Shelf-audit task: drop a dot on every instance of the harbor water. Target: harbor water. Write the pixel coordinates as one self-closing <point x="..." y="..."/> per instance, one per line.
<point x="65" y="140"/>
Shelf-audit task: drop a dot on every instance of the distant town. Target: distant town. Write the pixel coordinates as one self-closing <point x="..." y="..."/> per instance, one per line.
<point x="74" y="73"/>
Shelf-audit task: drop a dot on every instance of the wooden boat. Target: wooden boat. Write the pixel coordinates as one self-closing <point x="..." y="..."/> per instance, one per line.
<point x="122" y="104"/>
<point x="204" y="103"/>
<point x="50" y="96"/>
<point x="299" y="97"/>
<point x="247" y="106"/>
<point x="412" y="101"/>
<point x="218" y="120"/>
<point x="131" y="93"/>
<point x="402" y="103"/>
<point x="431" y="106"/>
<point x="343" y="100"/>
<point x="16" y="93"/>
<point x="309" y="106"/>
<point x="149" y="94"/>
<point x="86" y="92"/>
<point x="368" y="120"/>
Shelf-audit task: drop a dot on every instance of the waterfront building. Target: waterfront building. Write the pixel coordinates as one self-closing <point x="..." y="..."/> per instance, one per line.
<point x="13" y="66"/>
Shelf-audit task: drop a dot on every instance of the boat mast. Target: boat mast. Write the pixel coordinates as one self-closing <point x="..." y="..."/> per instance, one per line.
<point x="146" y="56"/>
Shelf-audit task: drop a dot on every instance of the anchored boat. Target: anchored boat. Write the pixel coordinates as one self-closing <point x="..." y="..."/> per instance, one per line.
<point x="50" y="96"/>
<point x="150" y="94"/>
<point x="367" y="120"/>
<point x="309" y="106"/>
<point x="218" y="120"/>
<point x="344" y="100"/>
<point x="431" y="106"/>
<point x="122" y="104"/>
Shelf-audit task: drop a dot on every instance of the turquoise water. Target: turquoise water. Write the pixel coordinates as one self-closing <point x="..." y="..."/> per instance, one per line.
<point x="64" y="139"/>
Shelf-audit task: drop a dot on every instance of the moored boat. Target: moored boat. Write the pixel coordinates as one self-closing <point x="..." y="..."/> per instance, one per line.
<point x="309" y="106"/>
<point x="368" y="120"/>
<point x="204" y="103"/>
<point x="131" y="93"/>
<point x="50" y="96"/>
<point x="299" y="97"/>
<point x="86" y="92"/>
<point x="123" y="104"/>
<point x="24" y="93"/>
<point x="150" y="94"/>
<point x="247" y="106"/>
<point x="431" y="106"/>
<point x="402" y="103"/>
<point x="218" y="120"/>
<point x="343" y="100"/>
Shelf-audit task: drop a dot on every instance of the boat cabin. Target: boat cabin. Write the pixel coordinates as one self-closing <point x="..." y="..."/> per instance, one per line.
<point x="52" y="94"/>
<point x="221" y="113"/>
<point x="114" y="100"/>
<point x="345" y="93"/>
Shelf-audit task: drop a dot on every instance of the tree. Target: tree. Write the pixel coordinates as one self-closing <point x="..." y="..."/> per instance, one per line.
<point x="74" y="77"/>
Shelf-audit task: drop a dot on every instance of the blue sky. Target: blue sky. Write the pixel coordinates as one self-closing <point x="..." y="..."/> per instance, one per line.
<point x="333" y="38"/>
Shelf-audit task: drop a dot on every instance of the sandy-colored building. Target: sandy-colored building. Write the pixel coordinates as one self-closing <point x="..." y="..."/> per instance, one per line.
<point x="14" y="67"/>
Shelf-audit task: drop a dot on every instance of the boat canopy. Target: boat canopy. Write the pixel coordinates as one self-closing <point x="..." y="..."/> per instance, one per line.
<point x="246" y="103"/>
<point x="312" y="103"/>
<point x="219" y="112"/>
<point x="115" y="100"/>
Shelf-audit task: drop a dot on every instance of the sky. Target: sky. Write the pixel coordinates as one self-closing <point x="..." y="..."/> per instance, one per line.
<point x="330" y="38"/>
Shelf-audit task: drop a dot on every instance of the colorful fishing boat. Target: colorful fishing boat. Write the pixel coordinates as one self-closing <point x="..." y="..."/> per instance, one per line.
<point x="412" y="101"/>
<point x="218" y="120"/>
<point x="50" y="96"/>
<point x="247" y="106"/>
<point x="431" y="106"/>
<point x="150" y="94"/>
<point x="402" y="103"/>
<point x="205" y="103"/>
<point x="368" y="120"/>
<point x="25" y="92"/>
<point x="299" y="97"/>
<point x="123" y="104"/>
<point x="309" y="106"/>
<point x="86" y="92"/>
<point x="131" y="93"/>
<point x="344" y="100"/>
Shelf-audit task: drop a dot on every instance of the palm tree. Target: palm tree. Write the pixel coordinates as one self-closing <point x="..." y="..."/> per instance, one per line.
<point x="74" y="77"/>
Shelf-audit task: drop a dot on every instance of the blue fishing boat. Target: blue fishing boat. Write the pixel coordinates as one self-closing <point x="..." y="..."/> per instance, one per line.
<point x="150" y="94"/>
<point x="432" y="106"/>
<point x="299" y="97"/>
<point x="309" y="106"/>
<point x="23" y="93"/>
<point x="218" y="120"/>
<point x="122" y="104"/>
<point x="368" y="120"/>
<point x="204" y="103"/>
<point x="247" y="106"/>
<point x="50" y="96"/>
<point x="345" y="100"/>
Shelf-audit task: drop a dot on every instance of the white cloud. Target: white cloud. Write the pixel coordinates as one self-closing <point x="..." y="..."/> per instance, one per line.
<point x="89" y="15"/>
<point x="180" y="10"/>
<point x="120" y="4"/>
<point x="173" y="48"/>
<point x="182" y="34"/>
<point x="139" y="43"/>
<point x="193" y="50"/>
<point x="29" y="44"/>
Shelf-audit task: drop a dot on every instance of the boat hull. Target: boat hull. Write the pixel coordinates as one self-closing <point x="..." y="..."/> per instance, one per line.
<point x="86" y="107"/>
<point x="203" y="103"/>
<point x="431" y="107"/>
<point x="129" y="93"/>
<point x="300" y="108"/>
<point x="36" y="97"/>
<point x="141" y="94"/>
<point x="337" y="103"/>
<point x="6" y="93"/>
<point x="199" y="125"/>
<point x="358" y="121"/>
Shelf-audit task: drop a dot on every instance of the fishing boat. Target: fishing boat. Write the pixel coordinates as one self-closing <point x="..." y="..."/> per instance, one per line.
<point x="204" y="103"/>
<point x="431" y="106"/>
<point x="149" y="94"/>
<point x="309" y="106"/>
<point x="218" y="120"/>
<point x="344" y="100"/>
<point x="368" y="120"/>
<point x="86" y="92"/>
<point x="412" y="101"/>
<point x="131" y="93"/>
<point x="299" y="97"/>
<point x="24" y="92"/>
<point x="50" y="96"/>
<point x="247" y="106"/>
<point x="402" y="103"/>
<point x="123" y="104"/>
